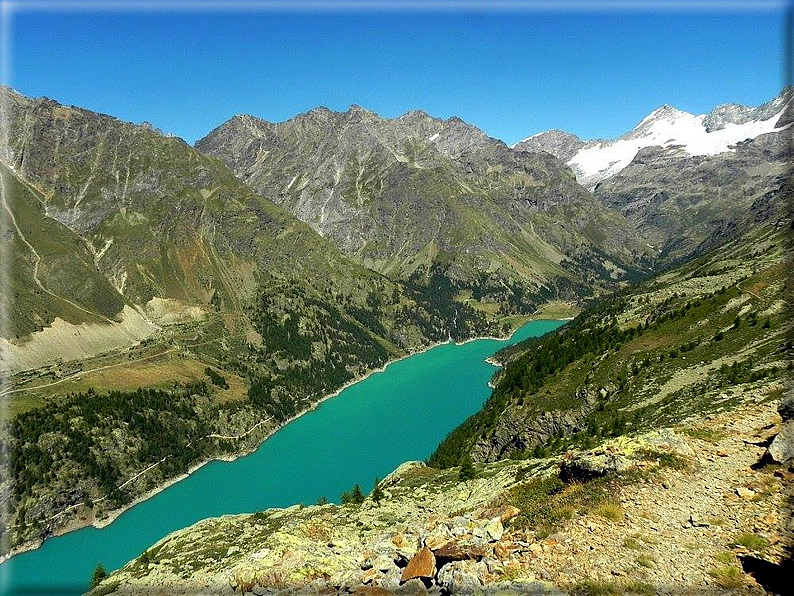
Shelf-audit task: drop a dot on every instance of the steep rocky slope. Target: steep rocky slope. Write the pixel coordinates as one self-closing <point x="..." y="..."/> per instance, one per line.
<point x="652" y="355"/>
<point x="415" y="195"/>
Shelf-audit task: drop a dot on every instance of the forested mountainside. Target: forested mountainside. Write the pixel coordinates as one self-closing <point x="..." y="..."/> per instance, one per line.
<point x="690" y="339"/>
<point x="145" y="266"/>
<point x="416" y="196"/>
<point x="680" y="178"/>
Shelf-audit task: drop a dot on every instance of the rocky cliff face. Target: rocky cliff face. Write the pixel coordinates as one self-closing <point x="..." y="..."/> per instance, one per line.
<point x="685" y="204"/>
<point x="414" y="194"/>
<point x="559" y="143"/>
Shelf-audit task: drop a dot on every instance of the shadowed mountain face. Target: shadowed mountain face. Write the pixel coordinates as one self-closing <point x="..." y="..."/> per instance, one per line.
<point x="414" y="194"/>
<point x="680" y="178"/>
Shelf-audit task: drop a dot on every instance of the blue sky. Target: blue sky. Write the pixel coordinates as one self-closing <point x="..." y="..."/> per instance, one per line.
<point x="510" y="73"/>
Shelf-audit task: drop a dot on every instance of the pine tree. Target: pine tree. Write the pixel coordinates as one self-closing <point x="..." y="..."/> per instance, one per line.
<point x="377" y="492"/>
<point x="98" y="575"/>
<point x="354" y="497"/>
<point x="467" y="470"/>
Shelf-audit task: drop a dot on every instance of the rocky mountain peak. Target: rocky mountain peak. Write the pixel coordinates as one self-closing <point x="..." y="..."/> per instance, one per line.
<point x="559" y="143"/>
<point x="718" y="132"/>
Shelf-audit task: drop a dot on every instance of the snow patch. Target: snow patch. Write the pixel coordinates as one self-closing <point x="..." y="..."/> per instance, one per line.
<point x="433" y="138"/>
<point x="665" y="127"/>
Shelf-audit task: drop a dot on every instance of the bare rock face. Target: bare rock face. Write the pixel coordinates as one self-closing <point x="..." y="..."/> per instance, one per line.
<point x="559" y="143"/>
<point x="781" y="450"/>
<point x="401" y="193"/>
<point x="423" y="565"/>
<point x="460" y="577"/>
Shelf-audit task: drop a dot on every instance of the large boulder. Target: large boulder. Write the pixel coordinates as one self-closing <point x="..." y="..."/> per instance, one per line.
<point x="586" y="466"/>
<point x="786" y="408"/>
<point x="781" y="449"/>
<point x="422" y="565"/>
<point x="460" y="577"/>
<point x="401" y="470"/>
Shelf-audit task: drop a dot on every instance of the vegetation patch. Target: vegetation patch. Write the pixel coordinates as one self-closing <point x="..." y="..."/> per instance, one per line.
<point x="729" y="577"/>
<point x="752" y="542"/>
<point x="546" y="503"/>
<point x="594" y="587"/>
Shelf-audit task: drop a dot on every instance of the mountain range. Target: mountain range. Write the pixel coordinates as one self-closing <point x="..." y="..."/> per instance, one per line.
<point x="190" y="300"/>
<point x="645" y="447"/>
<point x="683" y="180"/>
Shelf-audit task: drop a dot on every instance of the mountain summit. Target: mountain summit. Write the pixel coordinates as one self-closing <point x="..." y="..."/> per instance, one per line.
<point x="705" y="134"/>
<point x="418" y="196"/>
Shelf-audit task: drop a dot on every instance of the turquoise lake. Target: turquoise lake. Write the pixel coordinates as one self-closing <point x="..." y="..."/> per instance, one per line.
<point x="365" y="432"/>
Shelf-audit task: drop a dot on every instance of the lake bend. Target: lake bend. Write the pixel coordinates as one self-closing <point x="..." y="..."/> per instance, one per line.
<point x="366" y="431"/>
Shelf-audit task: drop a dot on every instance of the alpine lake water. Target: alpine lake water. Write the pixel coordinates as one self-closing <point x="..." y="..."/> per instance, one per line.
<point x="365" y="432"/>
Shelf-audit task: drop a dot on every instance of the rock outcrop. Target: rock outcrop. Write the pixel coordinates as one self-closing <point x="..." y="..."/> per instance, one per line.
<point x="781" y="450"/>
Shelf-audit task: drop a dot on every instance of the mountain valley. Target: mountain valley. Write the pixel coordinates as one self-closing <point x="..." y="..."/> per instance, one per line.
<point x="168" y="305"/>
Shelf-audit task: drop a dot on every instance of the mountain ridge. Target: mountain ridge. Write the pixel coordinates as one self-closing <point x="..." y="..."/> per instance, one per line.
<point x="415" y="194"/>
<point x="596" y="160"/>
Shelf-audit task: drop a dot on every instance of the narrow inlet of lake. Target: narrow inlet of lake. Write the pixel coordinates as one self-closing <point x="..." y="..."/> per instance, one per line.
<point x="365" y="432"/>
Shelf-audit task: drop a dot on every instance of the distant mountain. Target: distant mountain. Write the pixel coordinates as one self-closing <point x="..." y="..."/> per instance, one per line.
<point x="685" y="182"/>
<point x="416" y="195"/>
<point x="704" y="135"/>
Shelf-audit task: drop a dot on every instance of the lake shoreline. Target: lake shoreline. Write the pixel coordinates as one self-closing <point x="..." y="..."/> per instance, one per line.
<point x="78" y="524"/>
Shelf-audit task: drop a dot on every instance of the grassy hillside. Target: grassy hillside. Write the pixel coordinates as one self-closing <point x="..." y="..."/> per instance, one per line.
<point x="689" y="339"/>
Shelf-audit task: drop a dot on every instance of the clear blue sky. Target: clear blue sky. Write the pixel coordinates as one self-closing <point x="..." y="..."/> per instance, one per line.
<point x="510" y="73"/>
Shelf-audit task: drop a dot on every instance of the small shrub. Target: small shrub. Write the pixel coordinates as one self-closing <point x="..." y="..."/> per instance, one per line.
<point x="610" y="511"/>
<point x="593" y="587"/>
<point x="216" y="378"/>
<point x="632" y="543"/>
<point x="725" y="557"/>
<point x="98" y="576"/>
<point x="646" y="561"/>
<point x="377" y="491"/>
<point x="728" y="576"/>
<point x="709" y="435"/>
<point x="752" y="541"/>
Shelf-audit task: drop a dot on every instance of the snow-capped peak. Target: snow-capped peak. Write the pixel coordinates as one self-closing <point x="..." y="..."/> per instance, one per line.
<point x="666" y="126"/>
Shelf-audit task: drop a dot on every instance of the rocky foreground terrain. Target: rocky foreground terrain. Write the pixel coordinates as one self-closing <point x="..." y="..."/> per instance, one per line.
<point x="704" y="507"/>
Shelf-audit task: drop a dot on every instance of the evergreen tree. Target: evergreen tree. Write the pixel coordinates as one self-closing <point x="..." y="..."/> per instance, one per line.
<point x="467" y="471"/>
<point x="353" y="497"/>
<point x="377" y="492"/>
<point x="98" y="575"/>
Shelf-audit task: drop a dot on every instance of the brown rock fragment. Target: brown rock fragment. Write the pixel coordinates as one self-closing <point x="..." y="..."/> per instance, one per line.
<point x="423" y="564"/>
